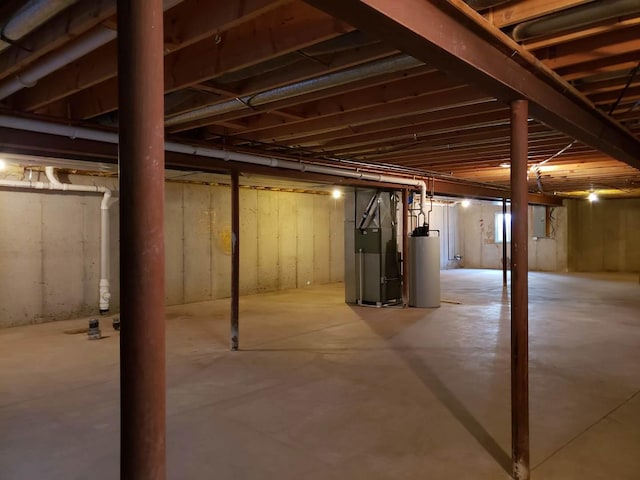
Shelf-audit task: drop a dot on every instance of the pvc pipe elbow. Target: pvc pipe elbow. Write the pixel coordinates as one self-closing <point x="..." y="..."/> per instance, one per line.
<point x="105" y="296"/>
<point x="104" y="205"/>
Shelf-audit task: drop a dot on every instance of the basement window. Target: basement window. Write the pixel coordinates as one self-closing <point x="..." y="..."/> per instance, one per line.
<point x="498" y="228"/>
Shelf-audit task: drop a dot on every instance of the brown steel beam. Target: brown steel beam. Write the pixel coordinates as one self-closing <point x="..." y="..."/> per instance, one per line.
<point x="142" y="334"/>
<point x="458" y="43"/>
<point x="405" y="247"/>
<point x="504" y="242"/>
<point x="519" y="294"/>
<point x="235" y="259"/>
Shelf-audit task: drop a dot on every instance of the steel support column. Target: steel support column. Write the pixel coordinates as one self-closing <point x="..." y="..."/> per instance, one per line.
<point x="519" y="293"/>
<point x="504" y="242"/>
<point x="235" y="259"/>
<point x="141" y="162"/>
<point x="405" y="247"/>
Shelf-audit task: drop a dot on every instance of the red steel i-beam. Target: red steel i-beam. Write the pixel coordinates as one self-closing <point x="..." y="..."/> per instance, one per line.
<point x="519" y="293"/>
<point x="405" y="247"/>
<point x="504" y="242"/>
<point x="235" y="260"/>
<point x="141" y="163"/>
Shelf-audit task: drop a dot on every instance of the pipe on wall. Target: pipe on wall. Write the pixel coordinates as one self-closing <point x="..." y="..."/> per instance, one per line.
<point x="103" y="286"/>
<point x="104" y="293"/>
<point x="111" y="137"/>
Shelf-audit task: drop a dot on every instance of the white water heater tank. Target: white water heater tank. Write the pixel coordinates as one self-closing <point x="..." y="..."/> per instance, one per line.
<point x="424" y="271"/>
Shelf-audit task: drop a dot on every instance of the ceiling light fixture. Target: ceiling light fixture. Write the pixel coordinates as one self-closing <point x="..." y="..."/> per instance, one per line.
<point x="3" y="164"/>
<point x="505" y="165"/>
<point x="593" y="197"/>
<point x="465" y="203"/>
<point x="336" y="193"/>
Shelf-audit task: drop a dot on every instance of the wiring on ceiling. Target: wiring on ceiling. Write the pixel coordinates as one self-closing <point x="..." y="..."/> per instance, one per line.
<point x="632" y="76"/>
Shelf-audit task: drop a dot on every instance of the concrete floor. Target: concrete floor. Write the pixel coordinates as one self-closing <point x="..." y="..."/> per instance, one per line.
<point x="323" y="390"/>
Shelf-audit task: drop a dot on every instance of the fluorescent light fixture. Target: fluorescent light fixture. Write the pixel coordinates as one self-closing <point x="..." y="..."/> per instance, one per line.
<point x="465" y="203"/>
<point x="592" y="197"/>
<point x="336" y="193"/>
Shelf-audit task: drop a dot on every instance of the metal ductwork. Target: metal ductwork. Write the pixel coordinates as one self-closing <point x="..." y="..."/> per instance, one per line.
<point x="55" y="61"/>
<point x="484" y="4"/>
<point x="81" y="46"/>
<point x="576" y="17"/>
<point x="387" y="65"/>
<point x="31" y="16"/>
<point x="347" y="41"/>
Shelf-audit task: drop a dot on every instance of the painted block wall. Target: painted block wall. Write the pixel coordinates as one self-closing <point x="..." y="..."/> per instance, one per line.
<point x="604" y="236"/>
<point x="480" y="250"/>
<point x="49" y="247"/>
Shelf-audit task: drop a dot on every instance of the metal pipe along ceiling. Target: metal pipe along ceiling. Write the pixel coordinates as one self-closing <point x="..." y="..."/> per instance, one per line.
<point x="575" y="17"/>
<point x="50" y="63"/>
<point x="110" y="137"/>
<point x="72" y="51"/>
<point x="387" y="65"/>
<point x="31" y="16"/>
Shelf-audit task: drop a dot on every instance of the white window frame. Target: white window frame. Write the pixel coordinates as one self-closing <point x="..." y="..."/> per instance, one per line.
<point x="497" y="235"/>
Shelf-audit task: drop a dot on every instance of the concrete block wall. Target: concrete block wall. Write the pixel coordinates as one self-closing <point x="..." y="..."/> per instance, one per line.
<point x="50" y="244"/>
<point x="480" y="250"/>
<point x="604" y="236"/>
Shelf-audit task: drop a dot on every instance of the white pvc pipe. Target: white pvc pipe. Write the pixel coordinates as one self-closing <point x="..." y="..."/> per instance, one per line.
<point x="110" y="137"/>
<point x="104" y="293"/>
<point x="103" y="286"/>
<point x="55" y="184"/>
<point x="26" y="184"/>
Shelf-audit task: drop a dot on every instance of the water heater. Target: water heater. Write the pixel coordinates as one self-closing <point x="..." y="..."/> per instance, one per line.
<point x="424" y="269"/>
